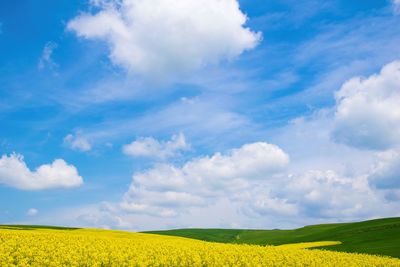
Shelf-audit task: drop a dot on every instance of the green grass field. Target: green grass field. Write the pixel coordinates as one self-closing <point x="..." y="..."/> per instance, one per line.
<point x="381" y="236"/>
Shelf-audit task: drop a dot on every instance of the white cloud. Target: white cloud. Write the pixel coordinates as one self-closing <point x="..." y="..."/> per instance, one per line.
<point x="396" y="6"/>
<point x="385" y="173"/>
<point x="150" y="147"/>
<point x="77" y="142"/>
<point x="264" y="205"/>
<point x="166" y="190"/>
<point x="15" y="173"/>
<point x="32" y="212"/>
<point x="368" y="110"/>
<point x="253" y="179"/>
<point x="327" y="194"/>
<point x="46" y="57"/>
<point x="315" y="196"/>
<point x="167" y="37"/>
<point x="319" y="195"/>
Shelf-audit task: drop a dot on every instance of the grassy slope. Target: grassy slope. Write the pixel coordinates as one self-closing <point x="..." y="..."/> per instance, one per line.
<point x="380" y="236"/>
<point x="35" y="227"/>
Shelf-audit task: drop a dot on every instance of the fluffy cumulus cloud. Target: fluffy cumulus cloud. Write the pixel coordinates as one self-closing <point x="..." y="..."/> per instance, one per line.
<point x="167" y="37"/>
<point x="15" y="173"/>
<point x="328" y="194"/>
<point x="316" y="195"/>
<point x="150" y="147"/>
<point x="170" y="197"/>
<point x="166" y="190"/>
<point x="77" y="142"/>
<point x="385" y="173"/>
<point x="255" y="181"/>
<point x="368" y="110"/>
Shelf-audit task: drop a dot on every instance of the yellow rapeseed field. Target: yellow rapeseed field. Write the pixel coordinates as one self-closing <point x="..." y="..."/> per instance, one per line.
<point x="310" y="244"/>
<point x="113" y="248"/>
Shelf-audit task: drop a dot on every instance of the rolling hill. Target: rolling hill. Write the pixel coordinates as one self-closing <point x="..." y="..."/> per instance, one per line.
<point x="380" y="237"/>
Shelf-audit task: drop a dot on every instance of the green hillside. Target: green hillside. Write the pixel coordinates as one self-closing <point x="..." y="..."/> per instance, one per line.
<point x="381" y="236"/>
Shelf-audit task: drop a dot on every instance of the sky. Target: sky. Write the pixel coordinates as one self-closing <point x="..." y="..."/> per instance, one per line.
<point x="161" y="114"/>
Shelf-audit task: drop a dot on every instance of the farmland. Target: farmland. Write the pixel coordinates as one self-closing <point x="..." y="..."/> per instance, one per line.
<point x="40" y="246"/>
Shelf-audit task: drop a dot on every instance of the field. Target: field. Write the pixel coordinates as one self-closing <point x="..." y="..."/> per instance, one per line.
<point x="381" y="237"/>
<point x="40" y="246"/>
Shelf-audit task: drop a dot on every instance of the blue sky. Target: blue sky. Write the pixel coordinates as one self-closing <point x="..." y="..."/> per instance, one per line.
<point x="162" y="114"/>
